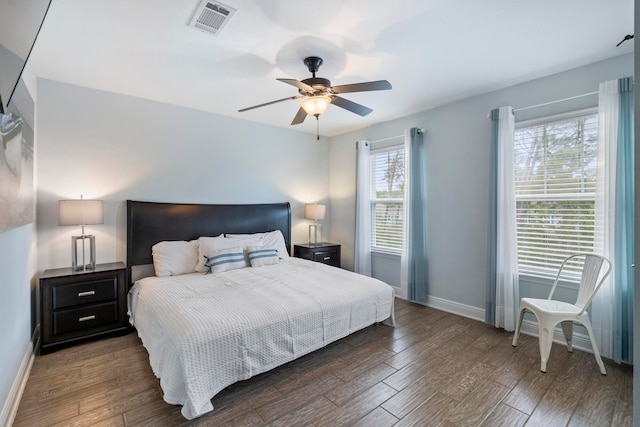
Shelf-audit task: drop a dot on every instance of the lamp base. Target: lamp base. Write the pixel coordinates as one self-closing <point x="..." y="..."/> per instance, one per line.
<point x="315" y="234"/>
<point x="82" y="264"/>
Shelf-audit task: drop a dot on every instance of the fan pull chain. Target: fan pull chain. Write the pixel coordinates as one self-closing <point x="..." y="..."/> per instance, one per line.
<point x="318" y="127"/>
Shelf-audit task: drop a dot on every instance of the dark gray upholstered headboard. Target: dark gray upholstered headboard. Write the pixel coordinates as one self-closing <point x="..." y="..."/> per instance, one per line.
<point x="149" y="223"/>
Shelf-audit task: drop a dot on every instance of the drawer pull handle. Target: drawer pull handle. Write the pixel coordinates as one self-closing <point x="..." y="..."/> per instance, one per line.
<point x="85" y="318"/>
<point x="327" y="258"/>
<point x="86" y="293"/>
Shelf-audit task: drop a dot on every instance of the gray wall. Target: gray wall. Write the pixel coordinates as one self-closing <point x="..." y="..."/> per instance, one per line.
<point x="114" y="147"/>
<point x="16" y="270"/>
<point x="17" y="283"/>
<point x="457" y="140"/>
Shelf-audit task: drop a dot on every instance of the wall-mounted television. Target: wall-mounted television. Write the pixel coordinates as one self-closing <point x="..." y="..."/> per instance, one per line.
<point x="20" y="23"/>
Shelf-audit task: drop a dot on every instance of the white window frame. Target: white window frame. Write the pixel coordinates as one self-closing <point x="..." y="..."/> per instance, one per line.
<point x="549" y="272"/>
<point x="375" y="201"/>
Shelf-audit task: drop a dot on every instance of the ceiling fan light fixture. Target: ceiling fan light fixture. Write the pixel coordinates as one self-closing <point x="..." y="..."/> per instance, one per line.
<point x="315" y="105"/>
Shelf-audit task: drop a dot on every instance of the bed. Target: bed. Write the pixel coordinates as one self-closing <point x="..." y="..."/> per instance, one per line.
<point x="208" y="329"/>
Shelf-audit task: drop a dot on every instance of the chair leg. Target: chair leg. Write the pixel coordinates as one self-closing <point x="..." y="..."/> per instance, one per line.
<point x="567" y="328"/>
<point x="545" y="337"/>
<point x="594" y="345"/>
<point x="516" y="334"/>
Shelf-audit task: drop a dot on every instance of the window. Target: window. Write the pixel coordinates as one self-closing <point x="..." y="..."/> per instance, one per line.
<point x="555" y="172"/>
<point x="387" y="195"/>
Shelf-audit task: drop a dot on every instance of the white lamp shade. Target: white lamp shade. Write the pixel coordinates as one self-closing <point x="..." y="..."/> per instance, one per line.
<point x="315" y="105"/>
<point x="314" y="211"/>
<point x="80" y="212"/>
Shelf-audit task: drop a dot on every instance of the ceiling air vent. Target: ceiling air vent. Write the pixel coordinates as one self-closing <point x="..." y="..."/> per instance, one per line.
<point x="211" y="16"/>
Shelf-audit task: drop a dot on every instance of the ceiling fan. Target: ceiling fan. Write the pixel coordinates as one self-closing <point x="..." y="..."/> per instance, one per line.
<point x="317" y="93"/>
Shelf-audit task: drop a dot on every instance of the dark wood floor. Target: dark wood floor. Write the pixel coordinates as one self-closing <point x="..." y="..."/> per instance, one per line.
<point x="433" y="368"/>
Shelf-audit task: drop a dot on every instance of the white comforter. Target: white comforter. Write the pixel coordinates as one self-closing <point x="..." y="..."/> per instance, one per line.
<point x="205" y="332"/>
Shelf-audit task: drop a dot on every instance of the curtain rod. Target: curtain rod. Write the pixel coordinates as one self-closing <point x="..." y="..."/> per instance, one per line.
<point x="394" y="137"/>
<point x="556" y="101"/>
<point x="387" y="139"/>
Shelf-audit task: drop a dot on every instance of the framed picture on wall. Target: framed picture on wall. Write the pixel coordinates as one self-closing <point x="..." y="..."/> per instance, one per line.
<point x="16" y="162"/>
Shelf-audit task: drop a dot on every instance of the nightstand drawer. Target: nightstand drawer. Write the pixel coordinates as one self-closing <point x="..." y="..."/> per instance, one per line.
<point x="84" y="318"/>
<point x="329" y="257"/>
<point x="69" y="295"/>
<point x="326" y="253"/>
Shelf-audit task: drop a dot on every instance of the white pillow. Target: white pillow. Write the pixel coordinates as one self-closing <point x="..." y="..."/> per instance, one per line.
<point x="275" y="239"/>
<point x="224" y="260"/>
<point x="209" y="245"/>
<point x="271" y="239"/>
<point x="205" y="246"/>
<point x="260" y="255"/>
<point x="171" y="258"/>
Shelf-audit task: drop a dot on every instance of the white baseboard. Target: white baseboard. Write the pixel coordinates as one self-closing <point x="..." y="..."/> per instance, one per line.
<point x="10" y="408"/>
<point x="580" y="341"/>
<point x="398" y="292"/>
<point x="449" y="306"/>
<point x="453" y="307"/>
<point x="529" y="327"/>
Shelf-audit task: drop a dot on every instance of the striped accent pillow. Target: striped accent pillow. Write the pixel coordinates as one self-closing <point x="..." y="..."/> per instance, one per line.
<point x="259" y="256"/>
<point x="225" y="259"/>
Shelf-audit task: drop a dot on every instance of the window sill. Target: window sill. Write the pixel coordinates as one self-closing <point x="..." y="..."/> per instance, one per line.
<point x="386" y="254"/>
<point x="544" y="281"/>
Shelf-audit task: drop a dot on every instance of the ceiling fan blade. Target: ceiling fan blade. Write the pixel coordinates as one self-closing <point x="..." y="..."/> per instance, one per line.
<point x="300" y="116"/>
<point x="269" y="103"/>
<point x="297" y="83"/>
<point x="350" y="106"/>
<point x="362" y="87"/>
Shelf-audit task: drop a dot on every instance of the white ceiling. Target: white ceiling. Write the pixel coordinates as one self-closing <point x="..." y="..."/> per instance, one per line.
<point x="432" y="51"/>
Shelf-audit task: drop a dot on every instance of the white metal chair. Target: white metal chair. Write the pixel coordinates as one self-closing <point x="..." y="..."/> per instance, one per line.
<point x="551" y="312"/>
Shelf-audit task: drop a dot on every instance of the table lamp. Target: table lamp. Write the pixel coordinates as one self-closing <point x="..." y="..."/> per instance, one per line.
<point x="315" y="212"/>
<point x="81" y="212"/>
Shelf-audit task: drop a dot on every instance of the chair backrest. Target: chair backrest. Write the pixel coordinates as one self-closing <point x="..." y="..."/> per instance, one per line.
<point x="590" y="280"/>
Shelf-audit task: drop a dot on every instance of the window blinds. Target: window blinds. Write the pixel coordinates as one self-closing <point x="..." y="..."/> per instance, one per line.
<point x="387" y="192"/>
<point x="555" y="169"/>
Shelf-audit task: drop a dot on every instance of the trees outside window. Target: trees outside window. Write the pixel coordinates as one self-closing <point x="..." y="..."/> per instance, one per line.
<point x="555" y="170"/>
<point x="387" y="194"/>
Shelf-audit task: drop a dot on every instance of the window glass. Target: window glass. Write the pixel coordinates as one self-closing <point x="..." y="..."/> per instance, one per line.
<point x="555" y="170"/>
<point x="387" y="192"/>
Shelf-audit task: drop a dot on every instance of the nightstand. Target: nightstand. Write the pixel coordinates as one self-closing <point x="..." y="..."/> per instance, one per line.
<point x="81" y="304"/>
<point x="326" y="253"/>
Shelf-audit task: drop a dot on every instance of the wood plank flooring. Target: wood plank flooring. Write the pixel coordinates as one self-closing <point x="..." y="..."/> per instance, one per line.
<point x="432" y="369"/>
